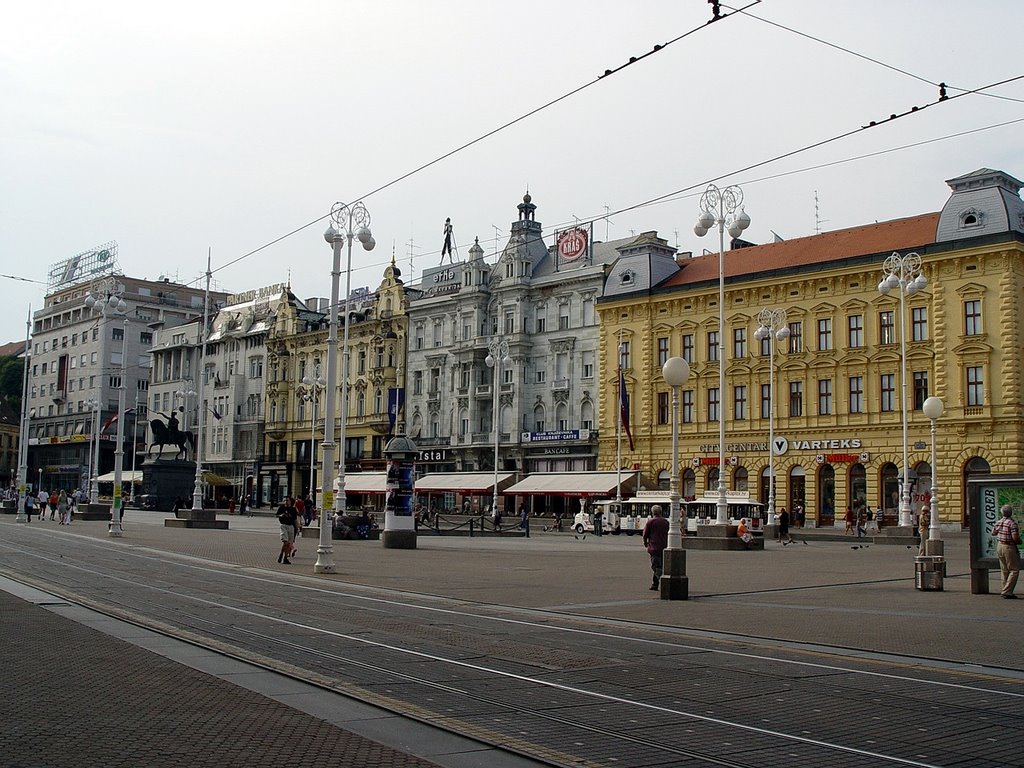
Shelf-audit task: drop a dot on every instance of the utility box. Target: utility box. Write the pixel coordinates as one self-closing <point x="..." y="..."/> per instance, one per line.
<point x="928" y="572"/>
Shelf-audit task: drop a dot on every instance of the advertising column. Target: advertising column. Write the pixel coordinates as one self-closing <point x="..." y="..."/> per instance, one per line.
<point x="399" y="523"/>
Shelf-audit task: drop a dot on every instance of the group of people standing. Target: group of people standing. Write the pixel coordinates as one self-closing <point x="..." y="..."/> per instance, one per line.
<point x="60" y="504"/>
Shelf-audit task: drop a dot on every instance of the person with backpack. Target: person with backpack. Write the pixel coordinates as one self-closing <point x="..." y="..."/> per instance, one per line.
<point x="288" y="517"/>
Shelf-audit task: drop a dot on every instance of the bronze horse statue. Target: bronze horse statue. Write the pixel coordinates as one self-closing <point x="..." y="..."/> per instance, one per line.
<point x="162" y="435"/>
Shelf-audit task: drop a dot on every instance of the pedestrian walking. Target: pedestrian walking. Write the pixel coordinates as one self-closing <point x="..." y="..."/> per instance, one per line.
<point x="879" y="519"/>
<point x="656" y="539"/>
<point x="923" y="521"/>
<point x="30" y="506"/>
<point x="862" y="523"/>
<point x="62" y="509"/>
<point x="848" y="518"/>
<point x="784" y="535"/>
<point x="287" y="516"/>
<point x="1007" y="533"/>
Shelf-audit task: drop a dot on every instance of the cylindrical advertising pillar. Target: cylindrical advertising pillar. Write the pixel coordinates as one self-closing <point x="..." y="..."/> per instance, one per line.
<point x="399" y="524"/>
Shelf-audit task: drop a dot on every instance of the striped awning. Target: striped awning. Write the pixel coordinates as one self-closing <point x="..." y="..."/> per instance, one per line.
<point x="465" y="483"/>
<point x="581" y="484"/>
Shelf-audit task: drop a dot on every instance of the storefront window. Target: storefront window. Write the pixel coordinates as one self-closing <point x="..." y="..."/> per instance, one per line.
<point x="826" y="495"/>
<point x="858" y="487"/>
<point x="796" y="487"/>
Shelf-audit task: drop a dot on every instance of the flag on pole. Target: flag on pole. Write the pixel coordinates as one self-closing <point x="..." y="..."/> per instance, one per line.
<point x="113" y="419"/>
<point x="624" y="408"/>
<point x="216" y="414"/>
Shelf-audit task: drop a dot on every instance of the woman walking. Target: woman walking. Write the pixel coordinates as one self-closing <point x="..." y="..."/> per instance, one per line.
<point x="287" y="516"/>
<point x="63" y="510"/>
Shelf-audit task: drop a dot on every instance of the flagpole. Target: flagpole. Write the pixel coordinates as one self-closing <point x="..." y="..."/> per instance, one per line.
<point x="117" y="508"/>
<point x="135" y="437"/>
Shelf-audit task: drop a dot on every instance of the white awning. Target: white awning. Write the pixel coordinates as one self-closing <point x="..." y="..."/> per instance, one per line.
<point x="363" y="482"/>
<point x="582" y="484"/>
<point x="465" y="483"/>
<point x="126" y="477"/>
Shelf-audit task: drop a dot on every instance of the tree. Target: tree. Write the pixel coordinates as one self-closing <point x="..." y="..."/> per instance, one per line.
<point x="12" y="374"/>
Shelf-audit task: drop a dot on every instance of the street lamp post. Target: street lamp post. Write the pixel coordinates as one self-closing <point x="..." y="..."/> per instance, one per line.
<point x="349" y="222"/>
<point x="94" y="407"/>
<point x="722" y="208"/>
<point x="21" y="516"/>
<point x="903" y="273"/>
<point x="314" y="386"/>
<point x="674" y="583"/>
<point x="772" y="327"/>
<point x="933" y="408"/>
<point x="204" y="334"/>
<point x="135" y="437"/>
<point x="497" y="356"/>
<point x="107" y="297"/>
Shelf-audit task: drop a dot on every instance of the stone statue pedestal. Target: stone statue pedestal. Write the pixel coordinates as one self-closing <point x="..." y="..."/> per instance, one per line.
<point x="164" y="481"/>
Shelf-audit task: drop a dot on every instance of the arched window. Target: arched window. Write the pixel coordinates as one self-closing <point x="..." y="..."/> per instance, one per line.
<point x="889" y="475"/>
<point x="378" y="401"/>
<point x="538" y="419"/>
<point x="587" y="415"/>
<point x="764" y="490"/>
<point x="273" y="410"/>
<point x="973" y="467"/>
<point x="711" y="486"/>
<point x="689" y="482"/>
<point x="796" y="487"/>
<point x="858" y="487"/>
<point x="665" y="480"/>
<point x="739" y="479"/>
<point x="360" y="404"/>
<point x="562" y="417"/>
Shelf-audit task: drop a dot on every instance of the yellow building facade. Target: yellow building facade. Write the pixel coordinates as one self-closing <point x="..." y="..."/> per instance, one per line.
<point x="838" y="377"/>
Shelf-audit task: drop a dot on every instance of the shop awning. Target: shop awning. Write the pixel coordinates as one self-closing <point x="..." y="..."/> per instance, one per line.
<point x="126" y="477"/>
<point x="363" y="482"/>
<point x="465" y="483"/>
<point x="212" y="478"/>
<point x="581" y="484"/>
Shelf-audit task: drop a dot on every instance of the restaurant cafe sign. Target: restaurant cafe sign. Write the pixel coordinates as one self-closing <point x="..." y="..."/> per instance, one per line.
<point x="556" y="436"/>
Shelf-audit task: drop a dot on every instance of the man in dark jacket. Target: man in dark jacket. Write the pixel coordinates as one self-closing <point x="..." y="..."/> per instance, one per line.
<point x="656" y="539"/>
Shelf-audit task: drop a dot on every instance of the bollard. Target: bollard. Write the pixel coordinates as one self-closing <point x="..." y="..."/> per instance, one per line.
<point x="471" y="528"/>
<point x="527" y="526"/>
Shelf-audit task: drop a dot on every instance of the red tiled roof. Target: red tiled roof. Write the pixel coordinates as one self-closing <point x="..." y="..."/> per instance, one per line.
<point x="885" y="236"/>
<point x="12" y="348"/>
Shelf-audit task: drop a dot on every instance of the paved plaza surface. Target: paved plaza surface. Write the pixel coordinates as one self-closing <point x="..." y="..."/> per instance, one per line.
<point x="69" y="709"/>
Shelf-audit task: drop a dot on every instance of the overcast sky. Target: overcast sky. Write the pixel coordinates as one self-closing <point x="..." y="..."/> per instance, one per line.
<point x="174" y="129"/>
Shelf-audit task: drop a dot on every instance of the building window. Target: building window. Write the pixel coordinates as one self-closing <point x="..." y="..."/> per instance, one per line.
<point x="417" y="382"/>
<point x="975" y="386"/>
<point x="796" y="398"/>
<point x="510" y="322"/>
<point x="886" y="327"/>
<point x="662" y="350"/>
<point x="972" y="318"/>
<point x="766" y="401"/>
<point x="563" y="317"/>
<point x="856" y="394"/>
<point x="688" y="347"/>
<point x="118" y="335"/>
<point x="796" y="341"/>
<point x="920" y="389"/>
<point x="510" y="269"/>
<point x="739" y="343"/>
<point x="739" y="400"/>
<point x="688" y="406"/>
<point x="824" y="397"/>
<point x="438" y="333"/>
<point x="824" y="334"/>
<point x="145" y="337"/>
<point x="541" y="377"/>
<point x="713" y="404"/>
<point x="712" y="345"/>
<point x="542" y="319"/>
<point x="663" y="407"/>
<point x="255" y="367"/>
<point x="919" y="323"/>
<point x="887" y="388"/>
<point x="588" y="365"/>
<point x="855" y="327"/>
<point x="624" y="355"/>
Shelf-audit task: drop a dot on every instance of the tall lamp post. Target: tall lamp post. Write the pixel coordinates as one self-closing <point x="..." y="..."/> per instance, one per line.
<point x="349" y="222"/>
<point x="933" y="409"/>
<point x="722" y="208"/>
<point x="497" y="356"/>
<point x="21" y="516"/>
<point x="107" y="297"/>
<point x="135" y="437"/>
<point x="94" y="446"/>
<point x="314" y="385"/>
<point x="204" y="334"/>
<point x="904" y="274"/>
<point x="772" y="326"/>
<point x="674" y="584"/>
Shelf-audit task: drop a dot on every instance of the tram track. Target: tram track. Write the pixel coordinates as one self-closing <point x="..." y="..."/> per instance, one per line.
<point x="164" y="611"/>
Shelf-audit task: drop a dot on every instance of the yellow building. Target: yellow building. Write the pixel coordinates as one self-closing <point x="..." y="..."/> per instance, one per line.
<point x="838" y="376"/>
<point x="297" y="361"/>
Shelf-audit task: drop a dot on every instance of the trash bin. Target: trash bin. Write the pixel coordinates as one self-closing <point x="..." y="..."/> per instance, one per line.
<point x="928" y="572"/>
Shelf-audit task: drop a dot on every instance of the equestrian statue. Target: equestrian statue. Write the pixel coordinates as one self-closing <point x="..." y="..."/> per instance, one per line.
<point x="170" y="434"/>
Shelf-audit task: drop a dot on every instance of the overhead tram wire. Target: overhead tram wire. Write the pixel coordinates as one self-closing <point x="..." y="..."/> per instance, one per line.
<point x="608" y="72"/>
<point x="859" y="55"/>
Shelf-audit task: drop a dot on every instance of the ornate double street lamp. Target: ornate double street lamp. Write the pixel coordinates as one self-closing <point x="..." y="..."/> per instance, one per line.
<point x="107" y="298"/>
<point x="674" y="583"/>
<point x="772" y="326"/>
<point x="497" y="356"/>
<point x="313" y="386"/>
<point x="904" y="274"/>
<point x="722" y="208"/>
<point x="349" y="222"/>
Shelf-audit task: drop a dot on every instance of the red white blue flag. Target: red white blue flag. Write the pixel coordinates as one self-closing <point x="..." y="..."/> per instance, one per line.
<point x="624" y="408"/>
<point x="113" y="419"/>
